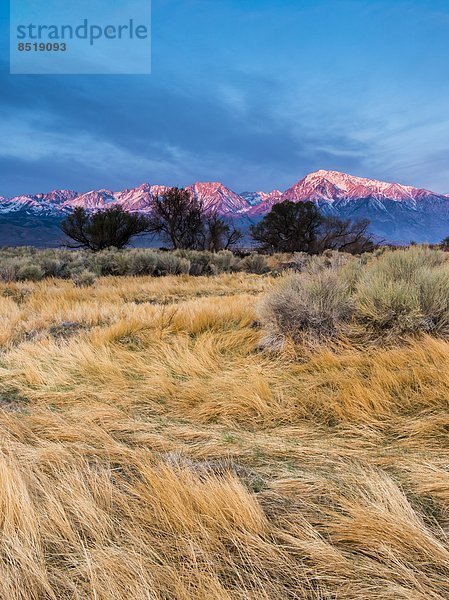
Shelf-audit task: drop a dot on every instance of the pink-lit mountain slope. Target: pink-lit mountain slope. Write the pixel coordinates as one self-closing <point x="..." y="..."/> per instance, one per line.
<point x="397" y="212"/>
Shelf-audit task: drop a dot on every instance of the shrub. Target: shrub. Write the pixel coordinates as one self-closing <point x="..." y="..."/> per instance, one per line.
<point x="199" y="261"/>
<point x="404" y="292"/>
<point x="208" y="263"/>
<point x="197" y="269"/>
<point x="108" y="262"/>
<point x="300" y="260"/>
<point x="8" y="271"/>
<point x="433" y="291"/>
<point x="84" y="279"/>
<point x="254" y="263"/>
<point x="386" y="298"/>
<point x="307" y="307"/>
<point x="224" y="261"/>
<point x="53" y="267"/>
<point x="145" y="261"/>
<point x="142" y="262"/>
<point x="170" y="264"/>
<point x="30" y="272"/>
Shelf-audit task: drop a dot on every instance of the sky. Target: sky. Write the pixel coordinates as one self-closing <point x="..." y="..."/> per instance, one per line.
<point x="255" y="94"/>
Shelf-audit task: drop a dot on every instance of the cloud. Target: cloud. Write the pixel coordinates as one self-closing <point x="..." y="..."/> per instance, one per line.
<point x="119" y="136"/>
<point x="255" y="102"/>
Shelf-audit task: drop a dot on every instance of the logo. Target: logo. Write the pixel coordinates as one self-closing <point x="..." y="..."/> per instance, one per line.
<point x="60" y="37"/>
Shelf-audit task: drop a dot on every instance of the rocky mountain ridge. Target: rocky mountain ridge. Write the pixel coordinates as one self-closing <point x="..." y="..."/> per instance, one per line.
<point x="397" y="212"/>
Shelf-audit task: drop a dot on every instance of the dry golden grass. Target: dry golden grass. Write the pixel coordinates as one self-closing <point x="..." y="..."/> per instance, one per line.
<point x="150" y="450"/>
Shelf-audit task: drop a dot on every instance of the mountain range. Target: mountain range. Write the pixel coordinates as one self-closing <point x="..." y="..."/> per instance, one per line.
<point x="397" y="213"/>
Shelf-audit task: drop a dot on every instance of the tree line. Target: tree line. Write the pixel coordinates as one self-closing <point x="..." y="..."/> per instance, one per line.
<point x="182" y="222"/>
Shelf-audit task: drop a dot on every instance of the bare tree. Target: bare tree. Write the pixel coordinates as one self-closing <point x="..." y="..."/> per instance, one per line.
<point x="345" y="236"/>
<point x="179" y="219"/>
<point x="104" y="228"/>
<point x="288" y="227"/>
<point x="299" y="227"/>
<point x="183" y="222"/>
<point x="221" y="234"/>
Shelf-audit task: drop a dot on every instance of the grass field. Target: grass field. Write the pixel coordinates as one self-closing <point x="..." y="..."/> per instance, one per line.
<point x="151" y="449"/>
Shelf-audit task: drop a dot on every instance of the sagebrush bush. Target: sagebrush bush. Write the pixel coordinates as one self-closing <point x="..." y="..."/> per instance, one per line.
<point x="84" y="278"/>
<point x="142" y="262"/>
<point x="387" y="297"/>
<point x="254" y="263"/>
<point x="30" y="272"/>
<point x="224" y="261"/>
<point x="21" y="263"/>
<point x="170" y="264"/>
<point x="404" y="292"/>
<point x="307" y="307"/>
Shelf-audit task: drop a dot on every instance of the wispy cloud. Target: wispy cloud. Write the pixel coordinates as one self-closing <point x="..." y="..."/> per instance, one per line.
<point x="251" y="94"/>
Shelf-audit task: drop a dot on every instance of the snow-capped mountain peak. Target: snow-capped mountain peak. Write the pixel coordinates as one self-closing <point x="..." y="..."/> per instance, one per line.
<point x="331" y="186"/>
<point x="396" y="211"/>
<point x="217" y="197"/>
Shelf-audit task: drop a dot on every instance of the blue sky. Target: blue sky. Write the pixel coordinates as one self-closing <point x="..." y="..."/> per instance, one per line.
<point x="255" y="94"/>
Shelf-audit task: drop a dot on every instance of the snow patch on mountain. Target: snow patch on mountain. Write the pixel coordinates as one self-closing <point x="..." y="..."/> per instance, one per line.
<point x="217" y="197"/>
<point x="331" y="186"/>
<point x="396" y="211"/>
<point x="255" y="198"/>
